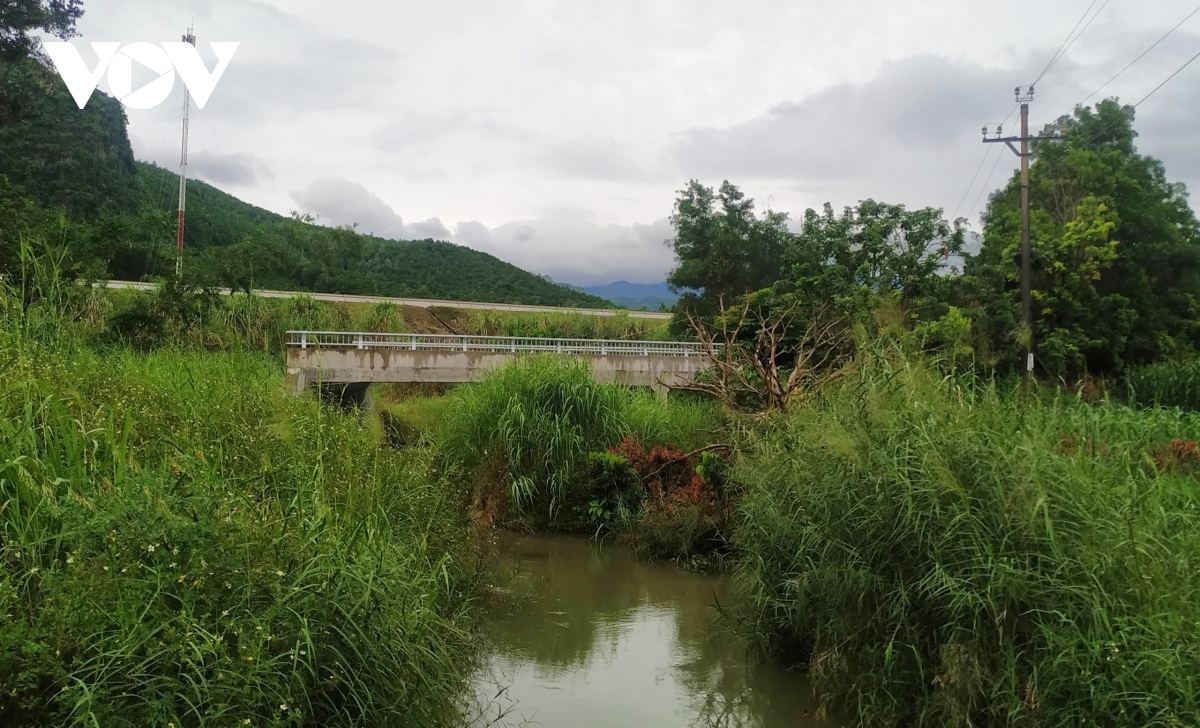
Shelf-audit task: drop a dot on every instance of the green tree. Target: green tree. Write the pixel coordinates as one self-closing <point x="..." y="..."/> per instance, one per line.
<point x="19" y="17"/>
<point x="872" y="252"/>
<point x="723" y="248"/>
<point x="1116" y="254"/>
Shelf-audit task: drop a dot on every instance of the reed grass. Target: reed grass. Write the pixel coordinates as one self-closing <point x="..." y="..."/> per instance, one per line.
<point x="183" y="544"/>
<point x="561" y="325"/>
<point x="943" y="552"/>
<point x="1166" y="384"/>
<point x="532" y="424"/>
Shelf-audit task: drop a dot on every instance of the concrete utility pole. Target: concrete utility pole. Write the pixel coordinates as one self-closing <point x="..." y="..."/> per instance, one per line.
<point x="183" y="169"/>
<point x="1026" y="252"/>
<point x="1024" y="96"/>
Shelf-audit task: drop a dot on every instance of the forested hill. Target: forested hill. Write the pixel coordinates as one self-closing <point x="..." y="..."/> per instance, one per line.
<point x="242" y="245"/>
<point x="121" y="216"/>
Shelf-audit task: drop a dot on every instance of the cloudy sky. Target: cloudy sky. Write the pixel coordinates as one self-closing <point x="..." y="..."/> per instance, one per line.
<point x="555" y="134"/>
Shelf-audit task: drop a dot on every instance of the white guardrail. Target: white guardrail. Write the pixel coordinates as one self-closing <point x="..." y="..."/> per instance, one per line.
<point x="498" y="344"/>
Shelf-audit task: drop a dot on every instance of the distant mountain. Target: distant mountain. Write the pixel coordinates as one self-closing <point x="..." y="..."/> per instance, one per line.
<point x="650" y="296"/>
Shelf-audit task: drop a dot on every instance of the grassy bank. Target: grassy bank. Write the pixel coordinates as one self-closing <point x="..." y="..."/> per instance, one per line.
<point x="183" y="544"/>
<point x="546" y="447"/>
<point x="190" y="317"/>
<point x="942" y="553"/>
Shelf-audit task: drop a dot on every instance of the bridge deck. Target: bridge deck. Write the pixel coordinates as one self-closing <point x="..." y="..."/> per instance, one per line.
<point x="500" y="344"/>
<point x="347" y="357"/>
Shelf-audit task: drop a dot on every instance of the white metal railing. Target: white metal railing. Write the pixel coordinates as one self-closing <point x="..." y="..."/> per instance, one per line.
<point x="500" y="344"/>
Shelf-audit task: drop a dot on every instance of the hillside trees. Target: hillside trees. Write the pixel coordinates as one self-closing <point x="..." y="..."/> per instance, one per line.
<point x="58" y="154"/>
<point x="19" y="17"/>
<point x="1116" y="254"/>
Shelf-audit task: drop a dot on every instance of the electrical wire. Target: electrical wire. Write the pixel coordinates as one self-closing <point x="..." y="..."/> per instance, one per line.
<point x="1135" y="60"/>
<point x="1164" y="83"/>
<point x="971" y="184"/>
<point x="985" y="184"/>
<point x="1062" y="48"/>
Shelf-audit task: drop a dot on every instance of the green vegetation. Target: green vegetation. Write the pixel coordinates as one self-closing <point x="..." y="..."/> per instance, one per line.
<point x="557" y="325"/>
<point x="1116" y="254"/>
<point x="183" y="315"/>
<point x="549" y="448"/>
<point x="1116" y="263"/>
<point x="181" y="543"/>
<point x="1166" y="384"/>
<point x="938" y="544"/>
<point x="941" y="552"/>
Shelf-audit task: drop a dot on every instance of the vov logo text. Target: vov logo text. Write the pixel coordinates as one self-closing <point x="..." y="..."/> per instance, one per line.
<point x="166" y="59"/>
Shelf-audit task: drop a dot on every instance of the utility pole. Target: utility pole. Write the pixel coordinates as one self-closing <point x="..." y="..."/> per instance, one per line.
<point x="1024" y="96"/>
<point x="1026" y="253"/>
<point x="183" y="164"/>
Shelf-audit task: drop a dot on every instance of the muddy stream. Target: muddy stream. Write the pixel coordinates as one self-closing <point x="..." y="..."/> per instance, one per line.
<point x="597" y="638"/>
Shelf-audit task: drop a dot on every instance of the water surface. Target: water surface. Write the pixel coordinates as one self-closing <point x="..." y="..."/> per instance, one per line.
<point x="602" y="639"/>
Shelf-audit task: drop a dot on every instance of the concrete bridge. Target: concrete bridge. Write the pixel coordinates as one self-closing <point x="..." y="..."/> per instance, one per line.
<point x="352" y="360"/>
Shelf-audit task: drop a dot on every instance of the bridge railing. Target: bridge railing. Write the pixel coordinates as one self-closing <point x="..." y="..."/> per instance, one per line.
<point x="497" y="344"/>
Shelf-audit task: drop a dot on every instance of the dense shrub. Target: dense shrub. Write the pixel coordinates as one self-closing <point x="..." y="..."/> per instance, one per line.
<point x="573" y="454"/>
<point x="943" y="554"/>
<point x="683" y="512"/>
<point x="538" y="419"/>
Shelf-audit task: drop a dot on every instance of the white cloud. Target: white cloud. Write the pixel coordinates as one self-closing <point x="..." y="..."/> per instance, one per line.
<point x="229" y="169"/>
<point x="337" y="201"/>
<point x="552" y="129"/>
<point x="566" y="244"/>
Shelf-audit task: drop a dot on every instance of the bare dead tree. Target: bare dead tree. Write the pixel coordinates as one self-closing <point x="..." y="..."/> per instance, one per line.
<point x="774" y="366"/>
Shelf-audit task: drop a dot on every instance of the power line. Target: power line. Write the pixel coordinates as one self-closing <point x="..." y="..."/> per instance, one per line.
<point x="971" y="184"/>
<point x="1080" y="33"/>
<point x="1135" y="60"/>
<point x="1065" y="44"/>
<point x="985" y="185"/>
<point x="1164" y="83"/>
<point x="1010" y="113"/>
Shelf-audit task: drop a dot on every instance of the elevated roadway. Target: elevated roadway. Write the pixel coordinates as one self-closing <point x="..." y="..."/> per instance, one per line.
<point x="422" y="302"/>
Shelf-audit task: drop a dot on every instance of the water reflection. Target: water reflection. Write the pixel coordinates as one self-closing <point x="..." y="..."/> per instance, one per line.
<point x="607" y="640"/>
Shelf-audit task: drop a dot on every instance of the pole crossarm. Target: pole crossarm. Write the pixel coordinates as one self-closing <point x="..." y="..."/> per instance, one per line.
<point x="1010" y="140"/>
<point x="496" y="344"/>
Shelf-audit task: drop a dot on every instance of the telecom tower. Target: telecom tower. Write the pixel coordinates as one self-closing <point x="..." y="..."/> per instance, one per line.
<point x="183" y="165"/>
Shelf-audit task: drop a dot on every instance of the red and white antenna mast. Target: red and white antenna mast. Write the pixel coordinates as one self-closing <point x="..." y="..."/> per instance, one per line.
<point x="183" y="166"/>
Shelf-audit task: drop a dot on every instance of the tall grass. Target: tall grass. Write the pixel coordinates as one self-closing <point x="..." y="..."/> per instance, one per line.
<point x="533" y="424"/>
<point x="560" y="325"/>
<point x="181" y="543"/>
<point x="942" y="553"/>
<point x="187" y="317"/>
<point x="537" y="419"/>
<point x="1166" y="384"/>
